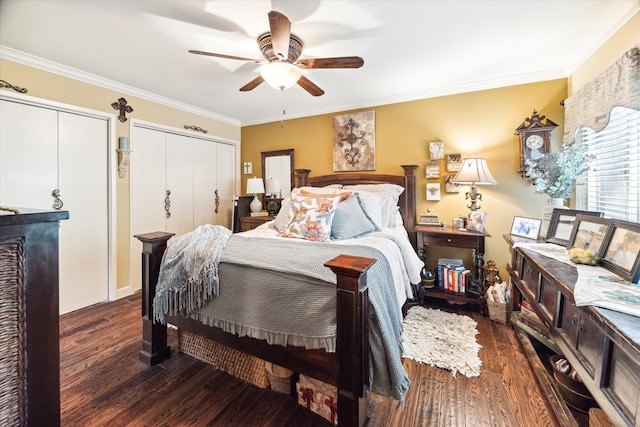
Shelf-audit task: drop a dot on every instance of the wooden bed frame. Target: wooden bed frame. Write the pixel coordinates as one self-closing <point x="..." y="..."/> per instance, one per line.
<point x="348" y="367"/>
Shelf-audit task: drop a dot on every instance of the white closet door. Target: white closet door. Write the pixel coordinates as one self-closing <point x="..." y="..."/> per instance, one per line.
<point x="28" y="155"/>
<point x="84" y="238"/>
<point x="204" y="183"/>
<point x="226" y="164"/>
<point x="180" y="155"/>
<point x="147" y="194"/>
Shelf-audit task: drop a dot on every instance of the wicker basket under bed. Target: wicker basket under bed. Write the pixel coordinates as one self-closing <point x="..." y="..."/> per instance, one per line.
<point x="247" y="368"/>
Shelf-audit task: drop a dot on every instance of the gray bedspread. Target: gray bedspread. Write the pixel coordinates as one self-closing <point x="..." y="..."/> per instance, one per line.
<point x="280" y="291"/>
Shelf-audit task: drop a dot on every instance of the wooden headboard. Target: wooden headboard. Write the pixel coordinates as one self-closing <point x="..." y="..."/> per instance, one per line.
<point x="407" y="200"/>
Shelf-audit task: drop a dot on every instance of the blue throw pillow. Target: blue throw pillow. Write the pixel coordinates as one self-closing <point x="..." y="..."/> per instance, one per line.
<point x="351" y="220"/>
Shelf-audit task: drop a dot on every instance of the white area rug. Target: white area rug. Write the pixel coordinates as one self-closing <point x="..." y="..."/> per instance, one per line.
<point x="442" y="339"/>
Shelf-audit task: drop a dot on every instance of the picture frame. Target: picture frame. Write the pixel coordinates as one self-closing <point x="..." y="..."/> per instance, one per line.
<point x="454" y="162"/>
<point x="451" y="187"/>
<point x="526" y="227"/>
<point x="436" y="150"/>
<point x="621" y="254"/>
<point x="477" y="221"/>
<point x="433" y="191"/>
<point x="589" y="232"/>
<point x="432" y="170"/>
<point x="561" y="224"/>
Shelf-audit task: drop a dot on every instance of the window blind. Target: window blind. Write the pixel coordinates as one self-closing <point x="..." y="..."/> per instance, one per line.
<point x="612" y="184"/>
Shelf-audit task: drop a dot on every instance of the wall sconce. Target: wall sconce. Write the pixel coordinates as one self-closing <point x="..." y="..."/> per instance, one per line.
<point x="474" y="171"/>
<point x="123" y="156"/>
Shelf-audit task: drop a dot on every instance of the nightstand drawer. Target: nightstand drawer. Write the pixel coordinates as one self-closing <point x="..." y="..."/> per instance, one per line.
<point x="250" y="222"/>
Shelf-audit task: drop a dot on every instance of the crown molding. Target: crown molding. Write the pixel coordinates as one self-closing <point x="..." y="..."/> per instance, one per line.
<point x="73" y="73"/>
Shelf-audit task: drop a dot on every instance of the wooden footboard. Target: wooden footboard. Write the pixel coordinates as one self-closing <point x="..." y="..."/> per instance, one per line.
<point x="348" y="368"/>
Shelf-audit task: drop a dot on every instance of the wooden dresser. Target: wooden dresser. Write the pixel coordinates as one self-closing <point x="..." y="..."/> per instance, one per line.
<point x="29" y="324"/>
<point x="602" y="345"/>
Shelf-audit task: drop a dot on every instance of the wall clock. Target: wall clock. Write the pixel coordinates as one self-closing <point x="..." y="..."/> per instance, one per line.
<point x="534" y="138"/>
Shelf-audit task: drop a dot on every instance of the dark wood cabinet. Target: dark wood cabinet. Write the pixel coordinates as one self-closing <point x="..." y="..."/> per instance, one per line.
<point x="602" y="345"/>
<point x="29" y="324"/>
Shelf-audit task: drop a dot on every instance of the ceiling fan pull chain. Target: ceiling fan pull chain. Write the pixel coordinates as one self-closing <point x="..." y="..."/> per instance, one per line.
<point x="284" y="112"/>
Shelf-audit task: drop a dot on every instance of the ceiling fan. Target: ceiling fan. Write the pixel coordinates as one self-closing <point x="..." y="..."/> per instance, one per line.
<point x="281" y="50"/>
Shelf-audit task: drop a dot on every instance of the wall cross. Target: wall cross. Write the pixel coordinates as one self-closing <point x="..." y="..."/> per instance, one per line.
<point x="123" y="107"/>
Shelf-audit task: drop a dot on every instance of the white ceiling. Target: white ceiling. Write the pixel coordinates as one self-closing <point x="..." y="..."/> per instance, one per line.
<point x="411" y="49"/>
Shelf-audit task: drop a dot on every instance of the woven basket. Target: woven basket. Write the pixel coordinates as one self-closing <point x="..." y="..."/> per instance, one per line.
<point x="498" y="311"/>
<point x="247" y="368"/>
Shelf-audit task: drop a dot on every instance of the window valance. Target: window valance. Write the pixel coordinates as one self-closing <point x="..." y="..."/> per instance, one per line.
<point x="618" y="85"/>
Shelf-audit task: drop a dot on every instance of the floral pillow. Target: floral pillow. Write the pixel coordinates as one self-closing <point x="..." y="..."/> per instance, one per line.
<point x="310" y="218"/>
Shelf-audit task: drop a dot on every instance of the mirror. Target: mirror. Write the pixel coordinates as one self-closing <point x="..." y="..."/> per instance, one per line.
<point x="278" y="165"/>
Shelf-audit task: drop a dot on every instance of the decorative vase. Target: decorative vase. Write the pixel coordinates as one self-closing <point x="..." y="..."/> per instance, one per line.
<point x="547" y="211"/>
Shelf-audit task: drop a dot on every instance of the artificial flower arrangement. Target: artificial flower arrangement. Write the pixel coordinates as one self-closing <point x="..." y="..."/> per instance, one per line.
<point x="555" y="173"/>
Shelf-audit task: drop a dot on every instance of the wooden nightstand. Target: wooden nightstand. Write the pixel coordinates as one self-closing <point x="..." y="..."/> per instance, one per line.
<point x="251" y="222"/>
<point x="438" y="236"/>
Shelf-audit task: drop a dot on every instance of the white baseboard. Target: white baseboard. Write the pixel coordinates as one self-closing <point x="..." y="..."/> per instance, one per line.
<point x="124" y="292"/>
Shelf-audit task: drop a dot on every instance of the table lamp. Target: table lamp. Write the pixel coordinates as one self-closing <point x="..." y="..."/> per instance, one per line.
<point x="474" y="171"/>
<point x="255" y="186"/>
<point x="272" y="187"/>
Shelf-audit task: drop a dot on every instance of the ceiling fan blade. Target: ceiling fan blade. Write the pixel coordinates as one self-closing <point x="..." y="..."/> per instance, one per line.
<point x="341" y="62"/>
<point x="252" y="84"/>
<point x="219" y="55"/>
<point x="280" y="32"/>
<point x="309" y="86"/>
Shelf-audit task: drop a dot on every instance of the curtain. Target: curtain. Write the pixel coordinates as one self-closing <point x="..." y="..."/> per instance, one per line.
<point x="618" y="85"/>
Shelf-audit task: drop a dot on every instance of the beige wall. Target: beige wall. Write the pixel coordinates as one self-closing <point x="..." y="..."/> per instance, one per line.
<point x="45" y="85"/>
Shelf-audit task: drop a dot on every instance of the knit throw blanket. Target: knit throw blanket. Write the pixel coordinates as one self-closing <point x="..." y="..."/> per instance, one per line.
<point x="189" y="271"/>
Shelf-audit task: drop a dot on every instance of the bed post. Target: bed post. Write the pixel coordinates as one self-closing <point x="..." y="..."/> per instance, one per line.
<point x="352" y="342"/>
<point x="409" y="202"/>
<point x="301" y="176"/>
<point x="154" y="335"/>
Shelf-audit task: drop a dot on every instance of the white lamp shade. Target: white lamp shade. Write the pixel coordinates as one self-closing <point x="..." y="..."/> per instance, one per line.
<point x="255" y="185"/>
<point x="280" y="75"/>
<point x="272" y="186"/>
<point x="474" y="171"/>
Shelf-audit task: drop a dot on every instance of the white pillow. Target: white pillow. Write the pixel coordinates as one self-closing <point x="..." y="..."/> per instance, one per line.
<point x="375" y="205"/>
<point x="281" y="219"/>
<point x="390" y="194"/>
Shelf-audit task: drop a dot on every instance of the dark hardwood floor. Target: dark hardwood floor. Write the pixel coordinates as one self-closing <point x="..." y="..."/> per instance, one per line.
<point x="104" y="384"/>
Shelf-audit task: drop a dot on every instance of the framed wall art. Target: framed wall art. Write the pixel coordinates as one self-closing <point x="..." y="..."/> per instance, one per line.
<point x="451" y="187"/>
<point x="589" y="232"/>
<point x="436" y="150"/>
<point x="433" y="170"/>
<point x="526" y="227"/>
<point x="561" y="224"/>
<point x="433" y="191"/>
<point x="354" y="142"/>
<point x="454" y="162"/>
<point x="622" y="250"/>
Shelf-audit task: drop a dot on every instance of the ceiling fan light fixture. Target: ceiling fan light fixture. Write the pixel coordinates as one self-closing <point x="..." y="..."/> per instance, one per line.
<point x="280" y="75"/>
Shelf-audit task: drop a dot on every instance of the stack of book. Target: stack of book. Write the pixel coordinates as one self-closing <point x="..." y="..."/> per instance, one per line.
<point x="261" y="213"/>
<point x="531" y="319"/>
<point x="452" y="275"/>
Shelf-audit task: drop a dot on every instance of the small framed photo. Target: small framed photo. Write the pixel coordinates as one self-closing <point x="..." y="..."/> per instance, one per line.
<point x="622" y="249"/>
<point x="476" y="221"/>
<point x="433" y="170"/>
<point x="433" y="191"/>
<point x="454" y="162"/>
<point x="561" y="224"/>
<point x="451" y="187"/>
<point x="589" y="232"/>
<point x="526" y="227"/>
<point x="436" y="150"/>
